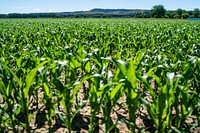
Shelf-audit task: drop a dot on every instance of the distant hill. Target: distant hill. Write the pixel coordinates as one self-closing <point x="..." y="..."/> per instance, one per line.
<point x="107" y="13"/>
<point x="117" y="10"/>
<point x="110" y="10"/>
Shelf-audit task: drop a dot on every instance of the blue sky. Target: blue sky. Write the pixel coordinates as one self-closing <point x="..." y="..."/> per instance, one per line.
<point x="30" y="6"/>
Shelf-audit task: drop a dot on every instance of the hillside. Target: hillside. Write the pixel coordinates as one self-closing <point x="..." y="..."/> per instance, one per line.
<point x="98" y="12"/>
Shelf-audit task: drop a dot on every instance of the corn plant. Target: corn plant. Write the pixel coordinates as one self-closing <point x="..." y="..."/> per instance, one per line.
<point x="152" y="63"/>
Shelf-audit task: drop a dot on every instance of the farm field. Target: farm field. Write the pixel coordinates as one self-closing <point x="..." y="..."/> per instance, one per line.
<point x="99" y="75"/>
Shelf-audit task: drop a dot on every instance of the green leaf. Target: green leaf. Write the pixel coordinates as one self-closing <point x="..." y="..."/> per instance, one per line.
<point x="139" y="56"/>
<point x="3" y="87"/>
<point x="77" y="86"/>
<point x="46" y="89"/>
<point x="14" y="75"/>
<point x="31" y="77"/>
<point x="133" y="94"/>
<point x="150" y="111"/>
<point x="176" y="130"/>
<point x="131" y="76"/>
<point x="16" y="109"/>
<point x="88" y="67"/>
<point x="121" y="65"/>
<point x="19" y="60"/>
<point x="102" y="89"/>
<point x="115" y="90"/>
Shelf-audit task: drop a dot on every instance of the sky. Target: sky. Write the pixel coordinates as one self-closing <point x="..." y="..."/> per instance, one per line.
<point x="36" y="6"/>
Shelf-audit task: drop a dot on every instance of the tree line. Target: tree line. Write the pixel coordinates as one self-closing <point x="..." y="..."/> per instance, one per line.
<point x="158" y="11"/>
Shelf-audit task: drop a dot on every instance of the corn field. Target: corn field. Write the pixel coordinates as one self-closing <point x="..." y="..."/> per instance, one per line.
<point x="114" y="75"/>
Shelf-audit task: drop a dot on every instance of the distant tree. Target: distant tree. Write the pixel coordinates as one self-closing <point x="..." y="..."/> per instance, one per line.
<point x="190" y="12"/>
<point x="185" y="15"/>
<point x="191" y="16"/>
<point x="14" y="15"/>
<point x="167" y="14"/>
<point x="170" y="14"/>
<point x="179" y="11"/>
<point x="158" y="11"/>
<point x="174" y="14"/>
<point x="196" y="13"/>
<point x="146" y="15"/>
<point x="138" y="15"/>
<point x="3" y="15"/>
